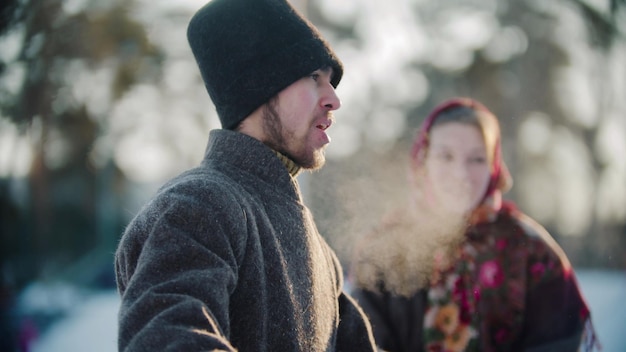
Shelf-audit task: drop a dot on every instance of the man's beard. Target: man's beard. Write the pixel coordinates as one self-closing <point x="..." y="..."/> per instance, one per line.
<point x="278" y="139"/>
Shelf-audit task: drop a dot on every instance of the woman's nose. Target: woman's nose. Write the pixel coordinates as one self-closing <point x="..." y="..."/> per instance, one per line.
<point x="462" y="170"/>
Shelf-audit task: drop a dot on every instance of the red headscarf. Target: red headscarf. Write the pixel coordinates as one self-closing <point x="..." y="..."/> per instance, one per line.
<point x="500" y="178"/>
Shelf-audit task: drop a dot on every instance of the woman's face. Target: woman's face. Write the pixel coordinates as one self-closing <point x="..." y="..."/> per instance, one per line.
<point x="457" y="166"/>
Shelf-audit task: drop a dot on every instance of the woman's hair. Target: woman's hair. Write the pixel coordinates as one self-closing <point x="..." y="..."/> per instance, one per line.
<point x="470" y="112"/>
<point x="486" y="123"/>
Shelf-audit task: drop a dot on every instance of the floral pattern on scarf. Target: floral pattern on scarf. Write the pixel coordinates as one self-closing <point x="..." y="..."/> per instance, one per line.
<point x="478" y="302"/>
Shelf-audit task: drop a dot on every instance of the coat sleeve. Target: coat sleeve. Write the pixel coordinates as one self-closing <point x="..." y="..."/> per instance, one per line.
<point x="176" y="268"/>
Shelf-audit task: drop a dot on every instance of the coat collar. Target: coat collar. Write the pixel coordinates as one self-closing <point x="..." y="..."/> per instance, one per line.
<point x="238" y="152"/>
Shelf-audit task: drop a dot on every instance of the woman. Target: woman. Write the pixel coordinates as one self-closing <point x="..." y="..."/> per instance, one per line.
<point x="459" y="269"/>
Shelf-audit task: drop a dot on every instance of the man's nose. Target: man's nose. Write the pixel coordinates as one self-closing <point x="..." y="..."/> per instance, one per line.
<point x="330" y="100"/>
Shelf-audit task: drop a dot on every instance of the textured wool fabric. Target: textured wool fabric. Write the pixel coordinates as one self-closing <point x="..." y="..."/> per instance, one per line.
<point x="226" y="256"/>
<point x="249" y="50"/>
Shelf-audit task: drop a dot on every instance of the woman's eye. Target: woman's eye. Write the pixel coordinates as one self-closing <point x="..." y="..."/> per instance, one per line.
<point x="444" y="156"/>
<point x="478" y="160"/>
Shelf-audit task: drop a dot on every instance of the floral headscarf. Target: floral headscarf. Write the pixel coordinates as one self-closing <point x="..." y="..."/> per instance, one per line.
<point x="478" y="300"/>
<point x="500" y="178"/>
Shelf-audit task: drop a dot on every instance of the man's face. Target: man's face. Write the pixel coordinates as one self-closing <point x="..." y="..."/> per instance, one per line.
<point x="295" y="122"/>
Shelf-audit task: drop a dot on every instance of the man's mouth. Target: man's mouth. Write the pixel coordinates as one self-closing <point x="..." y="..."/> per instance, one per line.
<point x="325" y="125"/>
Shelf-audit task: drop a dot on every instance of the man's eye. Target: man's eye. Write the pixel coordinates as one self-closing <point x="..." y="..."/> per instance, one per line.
<point x="315" y="76"/>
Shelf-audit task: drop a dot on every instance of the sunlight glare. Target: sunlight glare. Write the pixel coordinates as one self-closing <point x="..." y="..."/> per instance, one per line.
<point x="15" y="151"/>
<point x="386" y="125"/>
<point x="143" y="159"/>
<point x="576" y="96"/>
<point x="569" y="156"/>
<point x="535" y="133"/>
<point x="507" y="43"/>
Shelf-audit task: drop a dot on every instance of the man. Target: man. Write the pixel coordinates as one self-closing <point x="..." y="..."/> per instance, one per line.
<point x="226" y="256"/>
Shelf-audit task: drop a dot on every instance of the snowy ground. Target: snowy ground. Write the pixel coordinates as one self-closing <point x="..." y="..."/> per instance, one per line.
<point x="91" y="325"/>
<point x="606" y="292"/>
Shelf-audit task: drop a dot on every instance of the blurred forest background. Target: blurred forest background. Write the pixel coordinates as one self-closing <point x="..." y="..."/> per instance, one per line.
<point x="101" y="102"/>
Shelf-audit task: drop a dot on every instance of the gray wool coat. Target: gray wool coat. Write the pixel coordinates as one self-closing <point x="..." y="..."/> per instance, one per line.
<point x="227" y="257"/>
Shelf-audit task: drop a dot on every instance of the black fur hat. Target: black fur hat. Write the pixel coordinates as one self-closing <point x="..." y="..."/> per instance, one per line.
<point x="249" y="50"/>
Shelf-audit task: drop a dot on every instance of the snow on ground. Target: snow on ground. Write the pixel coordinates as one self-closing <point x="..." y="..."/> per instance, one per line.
<point x="606" y="292"/>
<point x="92" y="324"/>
